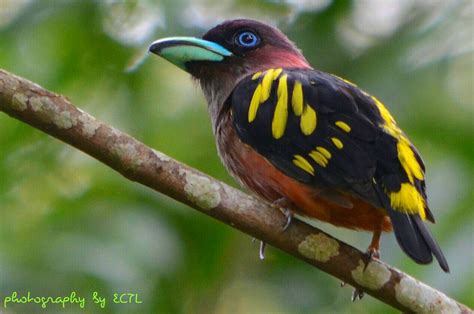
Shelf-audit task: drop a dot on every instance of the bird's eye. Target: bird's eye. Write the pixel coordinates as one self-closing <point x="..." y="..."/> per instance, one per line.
<point x="247" y="39"/>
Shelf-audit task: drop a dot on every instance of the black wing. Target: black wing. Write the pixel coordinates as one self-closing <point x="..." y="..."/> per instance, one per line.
<point x="326" y="132"/>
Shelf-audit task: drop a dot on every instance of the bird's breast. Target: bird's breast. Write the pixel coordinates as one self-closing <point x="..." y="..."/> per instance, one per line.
<point x="240" y="159"/>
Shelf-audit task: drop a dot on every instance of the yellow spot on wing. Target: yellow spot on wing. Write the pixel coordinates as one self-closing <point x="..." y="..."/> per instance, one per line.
<point x="408" y="160"/>
<point x="319" y="158"/>
<point x="408" y="200"/>
<point x="324" y="151"/>
<point x="255" y="103"/>
<point x="343" y="126"/>
<point x="256" y="75"/>
<point x="266" y="85"/>
<point x="302" y="163"/>
<point x="308" y="120"/>
<point x="281" y="110"/>
<point x="337" y="142"/>
<point x="297" y="99"/>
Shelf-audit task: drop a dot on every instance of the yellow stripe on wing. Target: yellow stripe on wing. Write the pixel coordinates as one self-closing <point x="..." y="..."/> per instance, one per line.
<point x="319" y="158"/>
<point x="280" y="115"/>
<point x="302" y="163"/>
<point x="262" y="91"/>
<point x="408" y="160"/>
<point x="297" y="98"/>
<point x="255" y="103"/>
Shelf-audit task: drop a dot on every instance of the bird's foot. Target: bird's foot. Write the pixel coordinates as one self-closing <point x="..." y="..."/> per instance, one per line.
<point x="356" y="293"/>
<point x="371" y="253"/>
<point x="283" y="204"/>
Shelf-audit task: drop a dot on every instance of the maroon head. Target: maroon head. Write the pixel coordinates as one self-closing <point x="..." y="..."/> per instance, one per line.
<point x="255" y="46"/>
<point x="228" y="52"/>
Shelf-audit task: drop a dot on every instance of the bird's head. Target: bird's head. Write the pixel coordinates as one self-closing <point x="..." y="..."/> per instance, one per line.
<point x="228" y="52"/>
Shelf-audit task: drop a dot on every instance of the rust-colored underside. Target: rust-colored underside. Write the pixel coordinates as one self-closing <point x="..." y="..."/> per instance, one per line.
<point x="261" y="177"/>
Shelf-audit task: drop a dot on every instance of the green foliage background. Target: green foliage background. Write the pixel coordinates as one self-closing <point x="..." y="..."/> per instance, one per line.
<point x="68" y="223"/>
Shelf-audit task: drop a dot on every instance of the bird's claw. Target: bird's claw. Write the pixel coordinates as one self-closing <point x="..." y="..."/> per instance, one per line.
<point x="283" y="204"/>
<point x="357" y="295"/>
<point x="289" y="217"/>
<point x="261" y="251"/>
<point x="371" y="254"/>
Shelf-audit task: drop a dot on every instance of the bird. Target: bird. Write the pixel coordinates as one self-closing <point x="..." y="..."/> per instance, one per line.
<point x="311" y="142"/>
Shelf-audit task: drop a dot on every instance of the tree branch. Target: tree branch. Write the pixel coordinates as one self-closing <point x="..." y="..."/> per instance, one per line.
<point x="54" y="114"/>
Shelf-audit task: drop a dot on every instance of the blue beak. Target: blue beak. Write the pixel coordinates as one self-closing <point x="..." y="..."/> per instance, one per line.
<point x="180" y="50"/>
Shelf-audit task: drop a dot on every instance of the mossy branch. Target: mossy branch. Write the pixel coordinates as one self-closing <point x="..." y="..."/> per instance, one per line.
<point x="55" y="115"/>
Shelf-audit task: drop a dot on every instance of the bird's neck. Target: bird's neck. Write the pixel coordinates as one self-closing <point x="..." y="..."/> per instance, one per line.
<point x="217" y="91"/>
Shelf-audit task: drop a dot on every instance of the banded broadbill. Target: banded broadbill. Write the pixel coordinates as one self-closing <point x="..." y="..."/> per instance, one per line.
<point x="308" y="140"/>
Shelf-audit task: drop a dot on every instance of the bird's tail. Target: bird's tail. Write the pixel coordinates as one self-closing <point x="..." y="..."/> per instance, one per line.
<point x="413" y="236"/>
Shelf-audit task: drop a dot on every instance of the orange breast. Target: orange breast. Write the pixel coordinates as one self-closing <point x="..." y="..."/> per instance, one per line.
<point x="266" y="181"/>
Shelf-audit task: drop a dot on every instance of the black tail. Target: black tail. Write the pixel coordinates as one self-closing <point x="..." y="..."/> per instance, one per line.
<point x="414" y="237"/>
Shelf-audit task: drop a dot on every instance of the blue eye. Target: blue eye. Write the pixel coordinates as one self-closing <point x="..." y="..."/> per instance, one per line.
<point x="247" y="39"/>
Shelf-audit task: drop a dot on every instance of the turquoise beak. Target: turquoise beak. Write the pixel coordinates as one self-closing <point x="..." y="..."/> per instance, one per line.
<point x="179" y="50"/>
